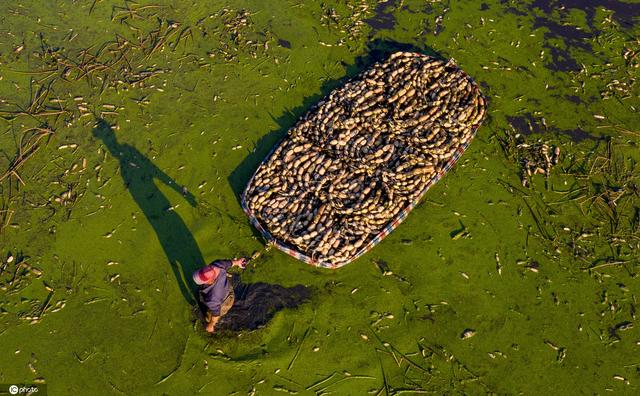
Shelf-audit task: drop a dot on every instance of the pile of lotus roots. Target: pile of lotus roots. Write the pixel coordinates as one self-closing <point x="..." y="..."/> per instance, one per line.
<point x="363" y="155"/>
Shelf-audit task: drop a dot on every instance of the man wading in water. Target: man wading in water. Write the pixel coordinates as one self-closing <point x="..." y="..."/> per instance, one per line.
<point x="216" y="291"/>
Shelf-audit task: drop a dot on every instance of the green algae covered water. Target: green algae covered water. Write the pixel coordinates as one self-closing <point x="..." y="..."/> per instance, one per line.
<point x="128" y="131"/>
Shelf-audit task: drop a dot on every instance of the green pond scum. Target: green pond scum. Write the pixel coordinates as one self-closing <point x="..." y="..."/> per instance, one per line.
<point x="129" y="129"/>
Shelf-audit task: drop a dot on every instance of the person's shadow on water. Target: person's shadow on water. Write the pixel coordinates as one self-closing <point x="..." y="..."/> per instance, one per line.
<point x="139" y="174"/>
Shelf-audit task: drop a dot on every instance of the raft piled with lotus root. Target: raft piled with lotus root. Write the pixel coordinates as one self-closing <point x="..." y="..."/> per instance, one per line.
<point x="356" y="164"/>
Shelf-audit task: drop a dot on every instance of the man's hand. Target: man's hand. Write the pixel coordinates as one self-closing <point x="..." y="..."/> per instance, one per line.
<point x="239" y="262"/>
<point x="211" y="327"/>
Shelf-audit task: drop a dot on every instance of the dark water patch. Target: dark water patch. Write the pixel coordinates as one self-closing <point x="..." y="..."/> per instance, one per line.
<point x="515" y="11"/>
<point x="256" y="303"/>
<point x="284" y="43"/>
<point x="577" y="134"/>
<point x="383" y="18"/>
<point x="573" y="99"/>
<point x="524" y="124"/>
<point x="527" y="124"/>
<point x="571" y="35"/>
<point x="439" y="21"/>
<point x="435" y="24"/>
<point x="561" y="61"/>
<point x="623" y="12"/>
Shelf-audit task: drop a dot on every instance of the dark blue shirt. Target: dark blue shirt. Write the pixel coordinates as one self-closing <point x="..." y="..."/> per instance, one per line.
<point x="214" y="295"/>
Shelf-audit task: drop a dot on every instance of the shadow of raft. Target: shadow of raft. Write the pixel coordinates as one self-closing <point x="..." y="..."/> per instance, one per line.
<point x="377" y="50"/>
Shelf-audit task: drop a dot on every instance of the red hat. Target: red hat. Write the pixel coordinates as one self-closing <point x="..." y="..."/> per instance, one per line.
<point x="204" y="275"/>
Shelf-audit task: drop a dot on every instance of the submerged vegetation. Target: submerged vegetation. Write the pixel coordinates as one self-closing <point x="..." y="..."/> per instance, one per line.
<point x="128" y="131"/>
